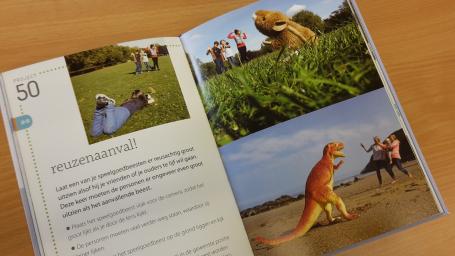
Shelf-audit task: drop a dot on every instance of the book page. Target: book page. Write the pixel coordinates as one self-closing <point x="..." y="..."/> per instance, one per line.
<point x="116" y="156"/>
<point x="315" y="146"/>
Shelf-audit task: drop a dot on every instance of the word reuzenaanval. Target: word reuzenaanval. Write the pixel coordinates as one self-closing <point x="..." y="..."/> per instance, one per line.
<point x="90" y="158"/>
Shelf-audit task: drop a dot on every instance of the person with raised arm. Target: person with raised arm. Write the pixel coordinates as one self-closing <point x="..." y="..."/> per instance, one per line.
<point x="228" y="53"/>
<point x="145" y="60"/>
<point x="379" y="159"/>
<point x="239" y="37"/>
<point x="154" y="52"/>
<point x="217" y="56"/>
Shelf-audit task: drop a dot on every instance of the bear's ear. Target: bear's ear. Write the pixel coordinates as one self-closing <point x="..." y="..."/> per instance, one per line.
<point x="280" y="25"/>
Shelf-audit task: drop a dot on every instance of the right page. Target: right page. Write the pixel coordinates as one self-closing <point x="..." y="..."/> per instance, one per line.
<point x="312" y="137"/>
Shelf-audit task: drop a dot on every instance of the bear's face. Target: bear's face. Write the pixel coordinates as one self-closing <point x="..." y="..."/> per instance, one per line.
<point x="270" y="23"/>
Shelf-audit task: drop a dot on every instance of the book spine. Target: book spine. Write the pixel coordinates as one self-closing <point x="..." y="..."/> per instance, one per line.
<point x="9" y="124"/>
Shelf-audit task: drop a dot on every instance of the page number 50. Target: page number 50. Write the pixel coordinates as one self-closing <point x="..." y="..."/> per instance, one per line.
<point x="25" y="90"/>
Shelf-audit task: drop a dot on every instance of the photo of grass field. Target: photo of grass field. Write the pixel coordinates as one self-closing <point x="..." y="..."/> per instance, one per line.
<point x="118" y="81"/>
<point x="276" y="85"/>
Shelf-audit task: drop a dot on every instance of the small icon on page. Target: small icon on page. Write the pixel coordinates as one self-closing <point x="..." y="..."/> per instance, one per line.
<point x="22" y="122"/>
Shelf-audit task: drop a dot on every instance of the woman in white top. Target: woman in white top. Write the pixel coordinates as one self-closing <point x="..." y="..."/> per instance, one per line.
<point x="228" y="53"/>
<point x="145" y="60"/>
<point x="379" y="159"/>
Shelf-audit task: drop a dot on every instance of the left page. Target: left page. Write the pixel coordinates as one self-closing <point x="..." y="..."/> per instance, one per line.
<point x="114" y="155"/>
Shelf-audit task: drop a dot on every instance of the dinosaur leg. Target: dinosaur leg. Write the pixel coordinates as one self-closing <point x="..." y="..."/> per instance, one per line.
<point x="338" y="202"/>
<point x="328" y="213"/>
<point x="309" y="217"/>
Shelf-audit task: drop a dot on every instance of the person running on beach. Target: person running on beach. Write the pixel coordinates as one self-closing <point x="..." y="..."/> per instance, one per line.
<point x="154" y="54"/>
<point x="228" y="53"/>
<point x="217" y="57"/>
<point x="108" y="118"/>
<point x="239" y="38"/>
<point x="380" y="159"/>
<point x="394" y="147"/>
<point x="145" y="60"/>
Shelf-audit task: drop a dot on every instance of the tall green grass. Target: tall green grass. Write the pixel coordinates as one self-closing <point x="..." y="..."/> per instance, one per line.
<point x="265" y="92"/>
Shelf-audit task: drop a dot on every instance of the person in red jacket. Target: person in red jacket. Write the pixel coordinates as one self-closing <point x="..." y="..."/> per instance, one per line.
<point x="239" y="38"/>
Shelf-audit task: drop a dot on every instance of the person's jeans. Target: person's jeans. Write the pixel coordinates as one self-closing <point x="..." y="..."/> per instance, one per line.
<point x="243" y="54"/>
<point x="219" y="66"/>
<point x="138" y="68"/>
<point x="109" y="119"/>
<point x="383" y="164"/>
<point x="398" y="164"/>
<point x="155" y="63"/>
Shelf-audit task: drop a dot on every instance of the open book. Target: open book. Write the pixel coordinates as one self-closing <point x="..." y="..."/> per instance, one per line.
<point x="270" y="130"/>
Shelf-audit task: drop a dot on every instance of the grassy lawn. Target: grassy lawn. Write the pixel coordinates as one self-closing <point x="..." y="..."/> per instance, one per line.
<point x="118" y="82"/>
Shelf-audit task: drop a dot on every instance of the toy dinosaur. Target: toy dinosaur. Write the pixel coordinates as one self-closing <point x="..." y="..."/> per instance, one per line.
<point x="319" y="195"/>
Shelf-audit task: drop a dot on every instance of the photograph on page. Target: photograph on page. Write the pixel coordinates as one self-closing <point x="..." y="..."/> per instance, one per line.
<point x="338" y="170"/>
<point x="125" y="88"/>
<point x="272" y="61"/>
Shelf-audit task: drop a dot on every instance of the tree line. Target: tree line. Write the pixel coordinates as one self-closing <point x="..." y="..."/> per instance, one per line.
<point x="91" y="60"/>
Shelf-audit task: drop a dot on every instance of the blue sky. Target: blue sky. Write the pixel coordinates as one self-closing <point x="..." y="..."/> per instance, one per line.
<point x="276" y="161"/>
<point x="198" y="39"/>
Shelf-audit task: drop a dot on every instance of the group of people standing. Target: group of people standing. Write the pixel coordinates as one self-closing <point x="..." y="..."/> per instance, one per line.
<point x="386" y="154"/>
<point x="141" y="59"/>
<point x="221" y="51"/>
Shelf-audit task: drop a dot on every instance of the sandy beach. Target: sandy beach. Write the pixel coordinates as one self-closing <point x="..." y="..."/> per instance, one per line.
<point x="381" y="209"/>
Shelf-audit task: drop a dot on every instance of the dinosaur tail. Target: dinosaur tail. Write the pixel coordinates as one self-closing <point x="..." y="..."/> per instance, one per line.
<point x="309" y="217"/>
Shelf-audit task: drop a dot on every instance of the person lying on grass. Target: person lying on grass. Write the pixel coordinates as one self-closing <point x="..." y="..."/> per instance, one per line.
<point x="108" y="118"/>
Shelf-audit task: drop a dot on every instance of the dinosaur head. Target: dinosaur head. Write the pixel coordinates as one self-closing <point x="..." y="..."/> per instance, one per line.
<point x="270" y="23"/>
<point x="334" y="149"/>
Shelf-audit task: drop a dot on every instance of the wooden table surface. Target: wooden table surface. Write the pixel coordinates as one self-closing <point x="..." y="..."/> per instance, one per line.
<point x="415" y="39"/>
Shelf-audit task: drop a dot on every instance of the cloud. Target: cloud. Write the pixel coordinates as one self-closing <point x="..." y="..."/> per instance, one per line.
<point x="269" y="147"/>
<point x="296" y="8"/>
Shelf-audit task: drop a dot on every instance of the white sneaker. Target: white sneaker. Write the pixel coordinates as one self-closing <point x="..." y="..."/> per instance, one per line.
<point x="150" y="99"/>
<point x="104" y="98"/>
